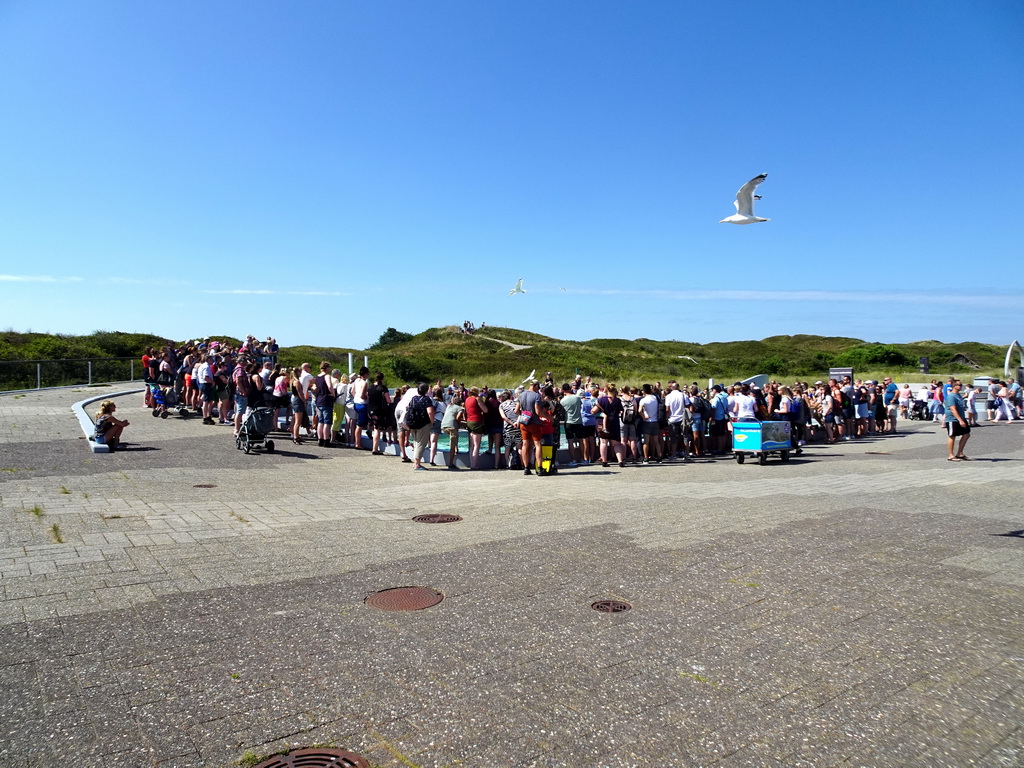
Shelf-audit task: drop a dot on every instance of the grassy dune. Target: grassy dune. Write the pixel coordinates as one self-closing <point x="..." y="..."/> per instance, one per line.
<point x="446" y="353"/>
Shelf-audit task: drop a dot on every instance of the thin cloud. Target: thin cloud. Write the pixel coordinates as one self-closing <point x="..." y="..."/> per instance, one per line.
<point x="268" y="292"/>
<point x="38" y="279"/>
<point x="851" y="297"/>
<point x="246" y="292"/>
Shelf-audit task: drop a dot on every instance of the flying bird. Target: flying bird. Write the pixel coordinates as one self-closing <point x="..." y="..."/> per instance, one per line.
<point x="518" y="288"/>
<point x="745" y="203"/>
<point x="687" y="357"/>
<point x="530" y="377"/>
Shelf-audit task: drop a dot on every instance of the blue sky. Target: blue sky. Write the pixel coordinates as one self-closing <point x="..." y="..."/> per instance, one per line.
<point x="319" y="171"/>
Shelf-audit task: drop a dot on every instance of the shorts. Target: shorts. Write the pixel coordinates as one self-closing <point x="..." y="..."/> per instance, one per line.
<point x="830" y="418"/>
<point x="297" y="405"/>
<point x="476" y="427"/>
<point x="953" y="428"/>
<point x="628" y="432"/>
<point x="222" y="394"/>
<point x="574" y="431"/>
<point x="589" y="431"/>
<point x="513" y="439"/>
<point x="862" y="410"/>
<point x="436" y="428"/>
<point x="324" y="415"/>
<point x="698" y="424"/>
<point x="532" y="431"/>
<point x="241" y="403"/>
<point x="718" y="428"/>
<point x="651" y="428"/>
<point x="675" y="430"/>
<point x="452" y="432"/>
<point x="377" y="419"/>
<point x="208" y="391"/>
<point x="360" y="415"/>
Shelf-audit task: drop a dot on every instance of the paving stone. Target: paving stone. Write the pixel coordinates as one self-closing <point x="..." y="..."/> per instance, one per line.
<point x="841" y="609"/>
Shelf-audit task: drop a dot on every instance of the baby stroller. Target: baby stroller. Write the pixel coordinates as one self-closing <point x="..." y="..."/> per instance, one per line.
<point x="258" y="423"/>
<point x="919" y="411"/>
<point x="164" y="400"/>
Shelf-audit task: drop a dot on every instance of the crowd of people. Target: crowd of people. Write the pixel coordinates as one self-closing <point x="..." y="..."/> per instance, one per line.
<point x="600" y="424"/>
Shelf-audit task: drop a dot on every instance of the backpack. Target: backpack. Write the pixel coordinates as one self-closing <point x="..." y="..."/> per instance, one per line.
<point x="416" y="416"/>
<point x="629" y="411"/>
<point x="702" y="407"/>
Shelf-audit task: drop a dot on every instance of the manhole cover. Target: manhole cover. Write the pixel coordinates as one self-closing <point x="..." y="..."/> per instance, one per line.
<point x="405" y="599"/>
<point x="610" y="606"/>
<point x="205" y="485"/>
<point x="316" y="758"/>
<point x="437" y="518"/>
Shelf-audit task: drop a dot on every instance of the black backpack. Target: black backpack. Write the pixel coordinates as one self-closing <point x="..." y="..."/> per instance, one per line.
<point x="629" y="411"/>
<point x="416" y="417"/>
<point x="703" y="407"/>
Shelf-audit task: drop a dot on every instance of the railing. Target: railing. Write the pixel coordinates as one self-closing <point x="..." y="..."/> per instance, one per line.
<point x="45" y="374"/>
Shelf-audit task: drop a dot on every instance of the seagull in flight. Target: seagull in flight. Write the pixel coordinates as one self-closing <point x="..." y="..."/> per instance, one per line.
<point x="530" y="377"/>
<point x="687" y="357"/>
<point x="745" y="203"/>
<point x="518" y="288"/>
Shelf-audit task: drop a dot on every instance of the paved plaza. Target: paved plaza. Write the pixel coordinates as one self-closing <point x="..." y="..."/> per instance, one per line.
<point x="184" y="604"/>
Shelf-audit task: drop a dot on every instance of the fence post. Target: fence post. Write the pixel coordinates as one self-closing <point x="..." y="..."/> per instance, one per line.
<point x="39" y="375"/>
<point x="350" y="365"/>
<point x="90" y="373"/>
<point x="133" y="369"/>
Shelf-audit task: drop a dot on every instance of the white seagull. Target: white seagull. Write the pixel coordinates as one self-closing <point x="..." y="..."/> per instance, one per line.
<point x="530" y="377"/>
<point x="518" y="288"/>
<point x="745" y="203"/>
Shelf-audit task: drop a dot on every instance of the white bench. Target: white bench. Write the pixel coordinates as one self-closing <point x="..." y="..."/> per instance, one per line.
<point x="86" y="422"/>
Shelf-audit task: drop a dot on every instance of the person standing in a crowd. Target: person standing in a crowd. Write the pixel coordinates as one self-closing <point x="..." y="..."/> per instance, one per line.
<point x="956" y="422"/>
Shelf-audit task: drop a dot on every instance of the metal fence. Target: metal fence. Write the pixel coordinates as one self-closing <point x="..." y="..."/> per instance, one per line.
<point x="43" y="374"/>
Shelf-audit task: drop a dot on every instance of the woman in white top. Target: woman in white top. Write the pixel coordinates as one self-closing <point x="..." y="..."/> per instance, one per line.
<point x="905" y="396"/>
<point x="744" y="406"/>
<point x="435" y="432"/>
<point x="340" y="401"/>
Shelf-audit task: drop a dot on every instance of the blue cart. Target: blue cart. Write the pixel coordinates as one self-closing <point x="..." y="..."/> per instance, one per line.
<point x="759" y="438"/>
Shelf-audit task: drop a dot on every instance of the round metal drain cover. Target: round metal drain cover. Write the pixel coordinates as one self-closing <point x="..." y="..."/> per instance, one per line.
<point x="316" y="758"/>
<point x="205" y="485"/>
<point x="611" y="606"/>
<point x="405" y="599"/>
<point x="437" y="518"/>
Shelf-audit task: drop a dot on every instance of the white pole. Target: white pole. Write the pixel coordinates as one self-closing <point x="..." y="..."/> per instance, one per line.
<point x="350" y="365"/>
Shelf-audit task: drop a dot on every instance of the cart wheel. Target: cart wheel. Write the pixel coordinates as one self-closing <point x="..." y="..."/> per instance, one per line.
<point x="740" y="457"/>
<point x="183" y="412"/>
<point x="270" y="446"/>
<point x="156" y="412"/>
<point x="247" y="446"/>
<point x="238" y="443"/>
<point x="784" y="456"/>
<point x="163" y="415"/>
<point x="762" y="459"/>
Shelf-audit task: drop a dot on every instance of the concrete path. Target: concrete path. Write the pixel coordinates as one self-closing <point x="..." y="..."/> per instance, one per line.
<point x="506" y="343"/>
<point x="858" y="606"/>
